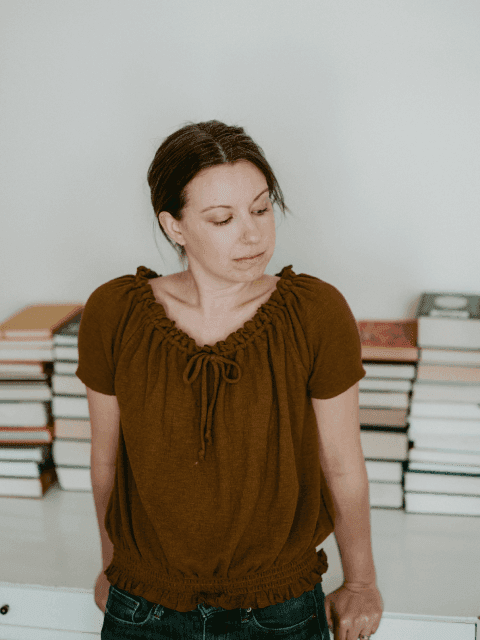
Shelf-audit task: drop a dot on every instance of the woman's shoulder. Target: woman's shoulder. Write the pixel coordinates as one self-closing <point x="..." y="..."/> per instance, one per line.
<point x="170" y="286"/>
<point x="114" y="289"/>
<point x="110" y="299"/>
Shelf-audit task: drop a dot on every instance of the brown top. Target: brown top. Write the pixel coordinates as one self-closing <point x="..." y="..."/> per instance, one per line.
<point x="219" y="496"/>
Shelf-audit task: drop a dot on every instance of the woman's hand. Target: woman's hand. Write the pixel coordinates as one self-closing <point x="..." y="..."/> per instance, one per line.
<point x="102" y="586"/>
<point x="353" y="611"/>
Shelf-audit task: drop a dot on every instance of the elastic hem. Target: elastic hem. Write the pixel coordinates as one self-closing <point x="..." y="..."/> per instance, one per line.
<point x="129" y="572"/>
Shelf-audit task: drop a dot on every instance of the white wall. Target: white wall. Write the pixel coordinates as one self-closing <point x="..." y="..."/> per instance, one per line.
<point x="367" y="111"/>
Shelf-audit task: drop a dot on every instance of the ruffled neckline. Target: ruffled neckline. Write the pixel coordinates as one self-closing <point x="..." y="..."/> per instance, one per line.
<point x="156" y="313"/>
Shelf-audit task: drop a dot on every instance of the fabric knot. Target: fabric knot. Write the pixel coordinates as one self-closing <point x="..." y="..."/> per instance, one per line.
<point x="197" y="363"/>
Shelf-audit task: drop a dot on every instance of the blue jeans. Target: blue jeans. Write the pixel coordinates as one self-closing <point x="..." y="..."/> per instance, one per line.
<point x="129" y="617"/>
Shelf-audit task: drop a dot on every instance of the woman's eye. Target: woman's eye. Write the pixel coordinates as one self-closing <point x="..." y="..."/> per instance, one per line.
<point x="260" y="213"/>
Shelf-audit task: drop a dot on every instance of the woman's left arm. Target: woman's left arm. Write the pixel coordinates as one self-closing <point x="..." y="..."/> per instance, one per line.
<point x="350" y="496"/>
<point x="343" y="466"/>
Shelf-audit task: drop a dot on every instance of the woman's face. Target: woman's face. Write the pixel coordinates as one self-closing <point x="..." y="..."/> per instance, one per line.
<point x="215" y="237"/>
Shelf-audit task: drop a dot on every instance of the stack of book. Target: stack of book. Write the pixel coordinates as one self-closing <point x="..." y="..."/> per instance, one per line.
<point x="389" y="356"/>
<point x="27" y="466"/>
<point x="73" y="437"/>
<point x="443" y="473"/>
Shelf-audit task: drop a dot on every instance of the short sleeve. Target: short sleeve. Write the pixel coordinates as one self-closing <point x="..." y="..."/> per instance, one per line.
<point x="96" y="335"/>
<point x="337" y="349"/>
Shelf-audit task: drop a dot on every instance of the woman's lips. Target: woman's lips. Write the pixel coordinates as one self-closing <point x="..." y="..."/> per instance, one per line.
<point x="249" y="259"/>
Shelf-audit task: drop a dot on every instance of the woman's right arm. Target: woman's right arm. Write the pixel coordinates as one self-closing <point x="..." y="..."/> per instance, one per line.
<point x="105" y="426"/>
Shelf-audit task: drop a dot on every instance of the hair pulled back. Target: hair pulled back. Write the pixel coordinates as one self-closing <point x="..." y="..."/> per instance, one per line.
<point x="194" y="147"/>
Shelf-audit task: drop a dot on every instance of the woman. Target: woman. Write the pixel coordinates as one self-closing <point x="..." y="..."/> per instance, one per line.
<point x="224" y="411"/>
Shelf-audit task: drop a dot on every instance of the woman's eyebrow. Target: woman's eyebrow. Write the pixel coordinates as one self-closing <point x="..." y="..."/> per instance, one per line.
<point x="227" y="206"/>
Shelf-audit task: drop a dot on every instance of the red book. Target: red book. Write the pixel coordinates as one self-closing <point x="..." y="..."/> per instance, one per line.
<point x="392" y="340"/>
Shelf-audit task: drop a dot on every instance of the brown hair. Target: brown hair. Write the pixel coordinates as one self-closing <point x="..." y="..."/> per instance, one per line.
<point x="194" y="147"/>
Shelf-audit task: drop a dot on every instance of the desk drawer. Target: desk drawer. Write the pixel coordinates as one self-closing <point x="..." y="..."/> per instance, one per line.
<point x="52" y="608"/>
